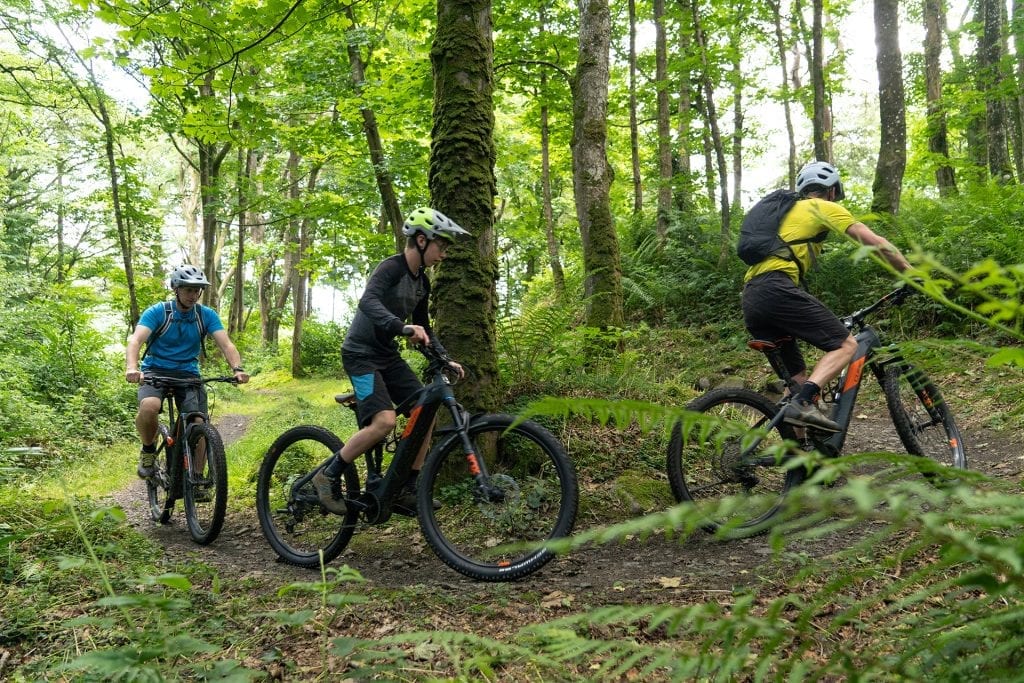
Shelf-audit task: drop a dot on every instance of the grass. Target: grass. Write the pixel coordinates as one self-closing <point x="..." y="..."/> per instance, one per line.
<point x="49" y="586"/>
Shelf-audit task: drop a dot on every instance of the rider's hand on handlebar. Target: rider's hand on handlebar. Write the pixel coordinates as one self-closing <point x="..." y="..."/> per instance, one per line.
<point x="133" y="376"/>
<point x="416" y="334"/>
<point x="457" y="368"/>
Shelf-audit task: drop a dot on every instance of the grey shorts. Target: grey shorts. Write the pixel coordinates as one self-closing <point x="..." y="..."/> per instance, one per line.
<point x="187" y="399"/>
<point x="379" y="384"/>
<point x="774" y="307"/>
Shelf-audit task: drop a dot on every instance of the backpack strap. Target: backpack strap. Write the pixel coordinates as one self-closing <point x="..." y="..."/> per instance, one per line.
<point x="166" y="324"/>
<point x="168" y="314"/>
<point x="201" y="327"/>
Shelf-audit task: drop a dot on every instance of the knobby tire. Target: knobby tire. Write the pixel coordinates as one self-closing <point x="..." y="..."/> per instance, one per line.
<point x="205" y="518"/>
<point x="297" y="527"/>
<point x="158" y="487"/>
<point x="497" y="533"/>
<point x="704" y="468"/>
<point x="922" y="417"/>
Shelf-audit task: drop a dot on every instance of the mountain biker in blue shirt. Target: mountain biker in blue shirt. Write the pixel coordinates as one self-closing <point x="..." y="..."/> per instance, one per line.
<point x="775" y="306"/>
<point x="174" y="353"/>
<point x="394" y="303"/>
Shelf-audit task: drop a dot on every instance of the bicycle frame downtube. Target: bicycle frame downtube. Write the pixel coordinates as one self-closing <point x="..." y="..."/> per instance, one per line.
<point x="417" y="429"/>
<point x="849" y="385"/>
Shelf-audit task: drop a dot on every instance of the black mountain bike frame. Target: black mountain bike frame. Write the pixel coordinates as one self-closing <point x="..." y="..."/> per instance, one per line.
<point x="842" y="392"/>
<point x="375" y="502"/>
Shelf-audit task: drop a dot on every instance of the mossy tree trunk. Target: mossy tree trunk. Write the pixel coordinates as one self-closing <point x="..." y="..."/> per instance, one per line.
<point x="591" y="172"/>
<point x="462" y="185"/>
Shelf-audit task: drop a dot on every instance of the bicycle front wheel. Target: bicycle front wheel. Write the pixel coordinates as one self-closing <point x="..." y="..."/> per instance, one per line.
<point x="158" y="487"/>
<point x="206" y="483"/>
<point x="922" y="417"/>
<point x="704" y="465"/>
<point x="297" y="527"/>
<point x="500" y="502"/>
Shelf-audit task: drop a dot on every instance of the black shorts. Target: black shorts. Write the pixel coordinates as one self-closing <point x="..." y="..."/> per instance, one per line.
<point x="774" y="307"/>
<point x="379" y="383"/>
<point x="188" y="399"/>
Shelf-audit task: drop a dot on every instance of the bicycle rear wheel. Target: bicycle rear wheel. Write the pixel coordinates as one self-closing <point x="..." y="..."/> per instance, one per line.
<point x="704" y="466"/>
<point x="205" y="484"/>
<point x="297" y="527"/>
<point x="922" y="417"/>
<point x="494" y="530"/>
<point x="158" y="487"/>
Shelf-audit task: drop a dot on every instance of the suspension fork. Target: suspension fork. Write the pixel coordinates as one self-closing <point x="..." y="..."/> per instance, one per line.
<point x="476" y="464"/>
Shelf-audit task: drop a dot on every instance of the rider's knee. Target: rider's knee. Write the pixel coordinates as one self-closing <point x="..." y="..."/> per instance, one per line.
<point x="383" y="423"/>
<point x="149" y="406"/>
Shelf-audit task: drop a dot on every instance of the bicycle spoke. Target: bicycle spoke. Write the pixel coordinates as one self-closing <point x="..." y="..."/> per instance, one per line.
<point x="292" y="519"/>
<point x="707" y="467"/>
<point x="492" y="527"/>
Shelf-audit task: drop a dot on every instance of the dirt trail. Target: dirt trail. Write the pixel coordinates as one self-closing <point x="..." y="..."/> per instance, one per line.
<point x="609" y="574"/>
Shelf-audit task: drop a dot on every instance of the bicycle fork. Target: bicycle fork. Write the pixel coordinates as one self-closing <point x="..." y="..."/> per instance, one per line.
<point x="485" y="490"/>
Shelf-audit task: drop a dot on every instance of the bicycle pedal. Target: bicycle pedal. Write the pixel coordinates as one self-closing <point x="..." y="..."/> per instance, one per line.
<point x="404" y="511"/>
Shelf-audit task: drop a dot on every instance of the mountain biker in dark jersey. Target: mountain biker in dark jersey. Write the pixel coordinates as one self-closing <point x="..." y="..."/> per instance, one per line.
<point x="394" y="303"/>
<point x="775" y="306"/>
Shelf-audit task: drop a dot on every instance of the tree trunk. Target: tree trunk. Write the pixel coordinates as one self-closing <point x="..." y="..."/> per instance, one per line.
<point x="381" y="170"/>
<point x="737" y="117"/>
<point x="591" y="172"/>
<point x="820" y="118"/>
<point x="683" y="182"/>
<point x="1017" y="24"/>
<point x="554" y="257"/>
<point x="634" y="133"/>
<point x="938" y="141"/>
<point x="211" y="156"/>
<point x="892" y="153"/>
<point x="664" y="127"/>
<point x="990" y="51"/>
<point x="780" y="45"/>
<point x="463" y="186"/>
<point x="725" y="242"/>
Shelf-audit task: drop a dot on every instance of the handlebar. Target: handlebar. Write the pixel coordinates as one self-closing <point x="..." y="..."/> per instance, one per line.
<point x="893" y="298"/>
<point x="160" y="381"/>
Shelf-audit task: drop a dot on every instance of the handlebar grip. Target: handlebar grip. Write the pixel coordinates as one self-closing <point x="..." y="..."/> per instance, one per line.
<point x="407" y="331"/>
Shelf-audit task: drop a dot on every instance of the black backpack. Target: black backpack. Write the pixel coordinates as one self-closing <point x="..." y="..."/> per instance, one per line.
<point x="166" y="324"/>
<point x="759" y="232"/>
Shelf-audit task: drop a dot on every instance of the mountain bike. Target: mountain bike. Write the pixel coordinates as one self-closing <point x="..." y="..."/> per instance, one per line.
<point x="505" y="486"/>
<point x="748" y="451"/>
<point x="190" y="464"/>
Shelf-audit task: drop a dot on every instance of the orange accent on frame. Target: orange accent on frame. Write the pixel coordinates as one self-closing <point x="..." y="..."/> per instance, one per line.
<point x="854" y="375"/>
<point x="474" y="465"/>
<point x="412" y="421"/>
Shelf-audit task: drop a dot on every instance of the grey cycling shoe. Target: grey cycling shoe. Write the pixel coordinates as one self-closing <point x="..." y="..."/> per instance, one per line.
<point x="328" y="490"/>
<point x="147" y="465"/>
<point x="808" y="415"/>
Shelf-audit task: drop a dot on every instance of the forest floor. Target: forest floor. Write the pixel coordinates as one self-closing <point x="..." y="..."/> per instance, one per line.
<point x="415" y="590"/>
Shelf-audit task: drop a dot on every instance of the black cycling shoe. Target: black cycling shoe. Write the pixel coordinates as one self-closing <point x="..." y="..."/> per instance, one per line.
<point x="405" y="504"/>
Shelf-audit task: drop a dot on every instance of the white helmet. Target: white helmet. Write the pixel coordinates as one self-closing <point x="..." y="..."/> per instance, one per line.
<point x="188" y="276"/>
<point x="819" y="173"/>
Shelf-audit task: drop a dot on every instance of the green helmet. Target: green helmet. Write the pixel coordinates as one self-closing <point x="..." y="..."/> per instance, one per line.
<point x="431" y="223"/>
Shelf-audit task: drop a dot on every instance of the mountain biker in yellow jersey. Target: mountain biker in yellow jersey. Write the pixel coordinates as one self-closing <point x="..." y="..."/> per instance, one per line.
<point x="174" y="331"/>
<point x="775" y="305"/>
<point x="397" y="293"/>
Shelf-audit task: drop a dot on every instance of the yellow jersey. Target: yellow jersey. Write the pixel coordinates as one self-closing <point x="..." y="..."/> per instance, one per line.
<point x="807" y="219"/>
